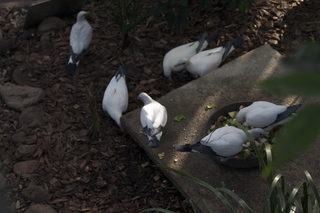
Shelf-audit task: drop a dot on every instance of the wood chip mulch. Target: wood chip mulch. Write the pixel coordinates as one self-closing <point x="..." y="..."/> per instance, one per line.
<point x="110" y="173"/>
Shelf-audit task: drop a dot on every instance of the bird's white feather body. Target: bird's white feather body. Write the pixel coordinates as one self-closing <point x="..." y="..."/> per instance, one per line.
<point x="153" y="116"/>
<point x="115" y="99"/>
<point x="80" y="35"/>
<point x="172" y="58"/>
<point x="260" y="113"/>
<point x="205" y="61"/>
<point x="227" y="141"/>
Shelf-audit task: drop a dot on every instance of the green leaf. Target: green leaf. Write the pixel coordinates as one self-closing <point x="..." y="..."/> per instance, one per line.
<point x="297" y="135"/>
<point x="297" y="83"/>
<point x="202" y="183"/>
<point x="240" y="201"/>
<point x="293" y="196"/>
<point x="179" y="117"/>
<point x="193" y="205"/>
<point x="306" y="58"/>
<point x="242" y="6"/>
<point x="313" y="187"/>
<point x="305" y="198"/>
<point x="210" y="106"/>
<point x="252" y="143"/>
<point x="271" y="196"/>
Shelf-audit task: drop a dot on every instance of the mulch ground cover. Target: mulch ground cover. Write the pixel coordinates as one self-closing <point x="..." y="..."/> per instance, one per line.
<point x="110" y="173"/>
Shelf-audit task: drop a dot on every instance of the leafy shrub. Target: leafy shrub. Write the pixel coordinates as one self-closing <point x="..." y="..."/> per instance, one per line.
<point x="176" y="11"/>
<point x="128" y="14"/>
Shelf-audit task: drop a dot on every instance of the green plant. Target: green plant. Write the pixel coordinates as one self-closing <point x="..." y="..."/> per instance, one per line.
<point x="93" y="111"/>
<point x="176" y="11"/>
<point x="280" y="197"/>
<point x="128" y="15"/>
<point x="303" y="80"/>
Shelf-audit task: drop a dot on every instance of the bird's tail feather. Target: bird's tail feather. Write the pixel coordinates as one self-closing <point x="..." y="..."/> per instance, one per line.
<point x="71" y="68"/>
<point x="197" y="147"/>
<point x="237" y="42"/>
<point x="76" y="57"/>
<point x="287" y="113"/>
<point x="230" y="45"/>
<point x="80" y="55"/>
<point x="213" y="37"/>
<point x="201" y="41"/>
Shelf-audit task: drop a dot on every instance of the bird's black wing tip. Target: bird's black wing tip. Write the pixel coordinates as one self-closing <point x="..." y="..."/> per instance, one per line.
<point x="237" y="42"/>
<point x="213" y="37"/>
<point x="71" y="68"/>
<point x="154" y="143"/>
<point x="183" y="148"/>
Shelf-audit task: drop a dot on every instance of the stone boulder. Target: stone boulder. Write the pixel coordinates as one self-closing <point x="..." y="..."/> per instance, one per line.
<point x="40" y="208"/>
<point x="35" y="194"/>
<point x="30" y="117"/>
<point x="20" y="97"/>
<point x="26" y="168"/>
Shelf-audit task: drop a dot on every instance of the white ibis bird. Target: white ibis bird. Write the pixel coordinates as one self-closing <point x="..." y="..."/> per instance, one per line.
<point x="115" y="99"/>
<point x="208" y="60"/>
<point x="172" y="58"/>
<point x="225" y="141"/>
<point x="265" y="115"/>
<point x="153" y="118"/>
<point x="80" y="38"/>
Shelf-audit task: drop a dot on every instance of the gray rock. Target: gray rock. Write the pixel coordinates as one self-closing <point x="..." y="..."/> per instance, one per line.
<point x="35" y="194"/>
<point x="30" y="117"/>
<point x="51" y="23"/>
<point x="25" y="168"/>
<point x="40" y="208"/>
<point x="25" y="150"/>
<point x="20" y="97"/>
<point x="19" y="137"/>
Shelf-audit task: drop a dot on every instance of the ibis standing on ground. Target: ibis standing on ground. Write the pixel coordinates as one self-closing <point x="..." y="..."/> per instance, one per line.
<point x="80" y="38"/>
<point x="115" y="99"/>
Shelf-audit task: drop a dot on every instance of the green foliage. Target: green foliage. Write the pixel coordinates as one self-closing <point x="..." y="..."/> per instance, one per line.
<point x="179" y="117"/>
<point x="129" y="14"/>
<point x="305" y="76"/>
<point x="298" y="135"/>
<point x="176" y="11"/>
<point x="93" y="111"/>
<point x="297" y="83"/>
<point x="281" y="197"/>
<point x="304" y="80"/>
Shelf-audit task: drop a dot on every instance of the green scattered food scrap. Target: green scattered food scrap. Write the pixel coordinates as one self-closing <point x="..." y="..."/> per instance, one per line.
<point x="179" y="117"/>
<point x="210" y="106"/>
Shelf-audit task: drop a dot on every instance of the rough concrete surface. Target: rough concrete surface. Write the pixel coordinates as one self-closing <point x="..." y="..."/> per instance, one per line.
<point x="233" y="82"/>
<point x="17" y="3"/>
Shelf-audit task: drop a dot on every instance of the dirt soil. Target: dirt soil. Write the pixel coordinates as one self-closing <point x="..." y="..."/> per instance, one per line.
<point x="110" y="173"/>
